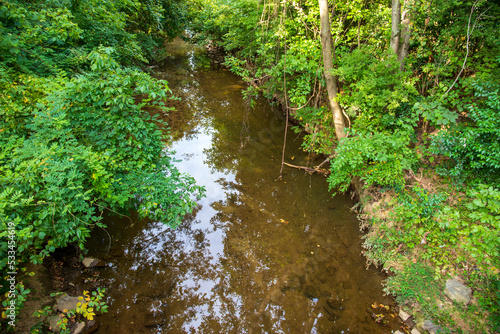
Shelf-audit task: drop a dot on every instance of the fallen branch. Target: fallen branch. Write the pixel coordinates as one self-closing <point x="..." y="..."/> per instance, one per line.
<point x="309" y="169"/>
<point x="324" y="162"/>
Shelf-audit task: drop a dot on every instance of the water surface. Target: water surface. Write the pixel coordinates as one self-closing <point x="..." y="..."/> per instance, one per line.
<point x="258" y="254"/>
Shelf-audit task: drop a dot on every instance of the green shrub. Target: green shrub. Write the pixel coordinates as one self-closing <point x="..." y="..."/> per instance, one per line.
<point x="473" y="145"/>
<point x="85" y="146"/>
<point x="482" y="234"/>
<point x="380" y="158"/>
<point x="374" y="89"/>
<point x="417" y="283"/>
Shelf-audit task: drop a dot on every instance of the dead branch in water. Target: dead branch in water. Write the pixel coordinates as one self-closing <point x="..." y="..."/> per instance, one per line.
<point x="309" y="169"/>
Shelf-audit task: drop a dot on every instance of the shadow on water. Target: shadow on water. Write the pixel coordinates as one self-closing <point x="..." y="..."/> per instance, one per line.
<point x="257" y="255"/>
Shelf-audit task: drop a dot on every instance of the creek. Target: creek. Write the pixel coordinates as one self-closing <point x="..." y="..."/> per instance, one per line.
<point x="258" y="254"/>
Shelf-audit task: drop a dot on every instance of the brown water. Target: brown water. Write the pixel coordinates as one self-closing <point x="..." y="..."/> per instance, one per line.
<point x="258" y="255"/>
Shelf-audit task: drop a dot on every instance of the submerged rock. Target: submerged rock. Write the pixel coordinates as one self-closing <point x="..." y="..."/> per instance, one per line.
<point x="311" y="292"/>
<point x="155" y="319"/>
<point x="457" y="291"/>
<point x="92" y="327"/>
<point x="89" y="262"/>
<point x="334" y="304"/>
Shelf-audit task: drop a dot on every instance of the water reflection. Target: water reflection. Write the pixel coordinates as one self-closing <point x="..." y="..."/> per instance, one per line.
<point x="257" y="255"/>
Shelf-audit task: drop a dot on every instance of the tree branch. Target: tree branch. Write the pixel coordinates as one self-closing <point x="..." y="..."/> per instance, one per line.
<point x="469" y="32"/>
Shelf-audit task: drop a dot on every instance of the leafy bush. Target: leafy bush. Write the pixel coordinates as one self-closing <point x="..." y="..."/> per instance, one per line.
<point x="479" y="227"/>
<point x="74" y="134"/>
<point x="473" y="145"/>
<point x="417" y="283"/>
<point x="374" y="88"/>
<point x="321" y="137"/>
<point x="84" y="147"/>
<point x="489" y="299"/>
<point x="378" y="158"/>
<point x="465" y="233"/>
<point x="413" y="222"/>
<point x="435" y="112"/>
<point x="415" y="212"/>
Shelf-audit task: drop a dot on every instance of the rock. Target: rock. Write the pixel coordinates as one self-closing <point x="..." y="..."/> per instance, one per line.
<point x="415" y="331"/>
<point x="403" y="315"/>
<point x="65" y="303"/>
<point x="398" y="332"/>
<point x="89" y="262"/>
<point x="457" y="291"/>
<point x="54" y="327"/>
<point x="311" y="292"/>
<point x="79" y="328"/>
<point x="334" y="304"/>
<point x="92" y="327"/>
<point x="431" y="327"/>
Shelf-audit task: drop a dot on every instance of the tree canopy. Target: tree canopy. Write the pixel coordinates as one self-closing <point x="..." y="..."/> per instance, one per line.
<point x="76" y="138"/>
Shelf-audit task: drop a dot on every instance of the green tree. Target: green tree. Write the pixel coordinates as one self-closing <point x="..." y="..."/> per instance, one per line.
<point x="75" y="137"/>
<point x="331" y="81"/>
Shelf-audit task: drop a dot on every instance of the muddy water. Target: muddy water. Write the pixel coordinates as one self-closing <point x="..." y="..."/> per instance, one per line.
<point x="258" y="255"/>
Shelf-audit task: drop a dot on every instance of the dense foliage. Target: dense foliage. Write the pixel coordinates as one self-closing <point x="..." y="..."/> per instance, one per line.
<point x="75" y="137"/>
<point x="473" y="146"/>
<point x="429" y="116"/>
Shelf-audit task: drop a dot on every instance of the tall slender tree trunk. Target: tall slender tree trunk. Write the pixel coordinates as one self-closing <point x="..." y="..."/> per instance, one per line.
<point x="359" y="31"/>
<point x="400" y="32"/>
<point x="396" y="22"/>
<point x="405" y="47"/>
<point x="331" y="82"/>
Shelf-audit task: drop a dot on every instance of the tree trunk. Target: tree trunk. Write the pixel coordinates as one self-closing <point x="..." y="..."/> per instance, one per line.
<point x="400" y="32"/>
<point x="405" y="47"/>
<point x="396" y="22"/>
<point x="331" y="82"/>
<point x="359" y="30"/>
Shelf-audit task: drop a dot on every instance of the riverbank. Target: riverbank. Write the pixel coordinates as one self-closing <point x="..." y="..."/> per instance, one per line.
<point x="428" y="234"/>
<point x="393" y="239"/>
<point x="55" y="287"/>
<point x="282" y="254"/>
<point x="437" y="299"/>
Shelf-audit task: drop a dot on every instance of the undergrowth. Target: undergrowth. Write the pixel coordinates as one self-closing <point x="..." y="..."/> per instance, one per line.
<point x="423" y="237"/>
